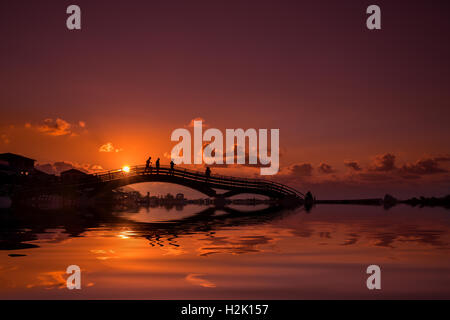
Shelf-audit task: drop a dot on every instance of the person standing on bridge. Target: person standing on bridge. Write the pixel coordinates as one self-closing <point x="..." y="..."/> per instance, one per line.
<point x="172" y="164"/>
<point x="207" y="173"/>
<point x="157" y="166"/>
<point x="148" y="164"/>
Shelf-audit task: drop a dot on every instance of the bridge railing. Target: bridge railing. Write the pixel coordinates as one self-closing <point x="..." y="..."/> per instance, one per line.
<point x="198" y="176"/>
<point x="216" y="179"/>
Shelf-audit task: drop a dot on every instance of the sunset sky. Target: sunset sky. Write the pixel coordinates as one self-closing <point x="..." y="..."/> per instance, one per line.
<point x="360" y="112"/>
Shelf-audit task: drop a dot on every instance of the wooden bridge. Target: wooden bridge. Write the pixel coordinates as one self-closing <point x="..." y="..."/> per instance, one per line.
<point x="195" y="180"/>
<point x="95" y="184"/>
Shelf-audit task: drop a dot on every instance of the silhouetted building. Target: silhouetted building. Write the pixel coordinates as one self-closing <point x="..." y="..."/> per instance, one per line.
<point x="179" y="196"/>
<point x="17" y="163"/>
<point x="42" y="176"/>
<point x="73" y="175"/>
<point x="169" y="197"/>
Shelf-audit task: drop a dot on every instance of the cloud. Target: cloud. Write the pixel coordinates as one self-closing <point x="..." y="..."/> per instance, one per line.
<point x="55" y="167"/>
<point x="353" y="165"/>
<point x="301" y="170"/>
<point x="424" y="166"/>
<point x="442" y="159"/>
<point x="46" y="167"/>
<point x="383" y="163"/>
<point x="60" y="166"/>
<point x="109" y="147"/>
<point x="5" y="138"/>
<point x="384" y="173"/>
<point x="57" y="127"/>
<point x="325" y="168"/>
<point x="191" y="124"/>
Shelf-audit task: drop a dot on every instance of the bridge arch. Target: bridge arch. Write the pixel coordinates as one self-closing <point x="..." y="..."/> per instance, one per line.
<point x="195" y="180"/>
<point x="111" y="185"/>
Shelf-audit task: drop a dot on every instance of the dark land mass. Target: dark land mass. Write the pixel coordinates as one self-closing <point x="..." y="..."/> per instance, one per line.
<point x="389" y="201"/>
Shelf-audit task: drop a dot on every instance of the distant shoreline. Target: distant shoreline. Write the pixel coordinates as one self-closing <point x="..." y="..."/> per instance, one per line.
<point x="389" y="201"/>
<point x="377" y="201"/>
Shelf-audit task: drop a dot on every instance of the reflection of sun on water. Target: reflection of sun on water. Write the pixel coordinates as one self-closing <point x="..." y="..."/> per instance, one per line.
<point x="125" y="234"/>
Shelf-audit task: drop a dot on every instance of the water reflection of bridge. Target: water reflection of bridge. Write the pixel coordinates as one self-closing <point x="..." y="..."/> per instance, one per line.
<point x="206" y="221"/>
<point x="19" y="228"/>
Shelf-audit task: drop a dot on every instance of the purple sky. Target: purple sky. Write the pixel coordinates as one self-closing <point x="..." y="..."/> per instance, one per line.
<point x="137" y="70"/>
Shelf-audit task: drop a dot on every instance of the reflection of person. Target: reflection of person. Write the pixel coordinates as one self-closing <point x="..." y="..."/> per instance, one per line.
<point x="157" y="166"/>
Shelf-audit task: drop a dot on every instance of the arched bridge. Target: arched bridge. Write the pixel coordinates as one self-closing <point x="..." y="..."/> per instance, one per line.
<point x="196" y="180"/>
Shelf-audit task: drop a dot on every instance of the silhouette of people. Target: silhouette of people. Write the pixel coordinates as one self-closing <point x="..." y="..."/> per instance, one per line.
<point x="172" y="164"/>
<point x="157" y="166"/>
<point x="147" y="164"/>
<point x="207" y="173"/>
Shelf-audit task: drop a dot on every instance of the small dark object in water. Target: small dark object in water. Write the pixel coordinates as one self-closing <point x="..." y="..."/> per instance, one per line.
<point x="16" y="255"/>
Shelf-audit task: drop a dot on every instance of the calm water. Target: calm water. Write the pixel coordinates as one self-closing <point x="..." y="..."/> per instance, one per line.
<point x="208" y="254"/>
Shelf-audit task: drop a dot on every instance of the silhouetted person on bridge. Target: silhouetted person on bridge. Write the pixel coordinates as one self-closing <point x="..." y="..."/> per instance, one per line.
<point x="172" y="164"/>
<point x="147" y="164"/>
<point x="207" y="173"/>
<point x="157" y="166"/>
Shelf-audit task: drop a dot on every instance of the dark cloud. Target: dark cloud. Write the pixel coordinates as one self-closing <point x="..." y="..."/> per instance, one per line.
<point x="383" y="163"/>
<point x="385" y="174"/>
<point x="424" y="166"/>
<point x="46" y="167"/>
<point x="301" y="170"/>
<point x="325" y="168"/>
<point x="236" y="149"/>
<point x="426" y="176"/>
<point x="60" y="166"/>
<point x="59" y="127"/>
<point x="353" y="165"/>
<point x="442" y="159"/>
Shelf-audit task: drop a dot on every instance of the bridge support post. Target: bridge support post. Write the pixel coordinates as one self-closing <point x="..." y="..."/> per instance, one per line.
<point x="220" y="201"/>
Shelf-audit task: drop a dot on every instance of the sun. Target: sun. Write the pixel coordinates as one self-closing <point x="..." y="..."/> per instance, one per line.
<point x="126" y="169"/>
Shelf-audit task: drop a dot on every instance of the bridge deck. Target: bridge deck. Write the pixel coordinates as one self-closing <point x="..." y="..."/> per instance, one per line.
<point x="214" y="180"/>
